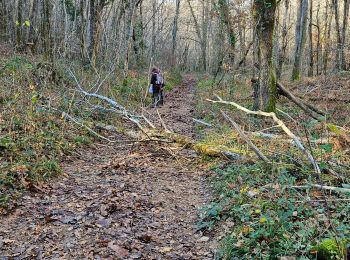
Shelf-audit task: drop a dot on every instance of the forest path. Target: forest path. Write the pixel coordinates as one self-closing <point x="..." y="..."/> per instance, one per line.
<point x="118" y="202"/>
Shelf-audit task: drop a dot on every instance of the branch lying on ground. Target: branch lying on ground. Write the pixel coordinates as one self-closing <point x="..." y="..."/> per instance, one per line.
<point x="246" y="139"/>
<point x="323" y="187"/>
<point x="118" y="108"/>
<point x="279" y="122"/>
<point x="65" y="115"/>
<point x="202" y="122"/>
<point x="307" y="108"/>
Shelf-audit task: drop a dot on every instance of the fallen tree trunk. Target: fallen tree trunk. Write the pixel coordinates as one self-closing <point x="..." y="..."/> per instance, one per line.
<point x="171" y="137"/>
<point x="306" y="107"/>
<point x="309" y="109"/>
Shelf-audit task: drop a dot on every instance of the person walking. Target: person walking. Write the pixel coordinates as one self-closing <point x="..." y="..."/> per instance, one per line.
<point x="157" y="86"/>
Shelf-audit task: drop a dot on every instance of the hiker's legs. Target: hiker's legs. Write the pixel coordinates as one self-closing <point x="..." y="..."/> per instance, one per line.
<point x="155" y="96"/>
<point x="161" y="97"/>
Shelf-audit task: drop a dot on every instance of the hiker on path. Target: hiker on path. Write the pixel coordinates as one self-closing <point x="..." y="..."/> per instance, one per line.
<point x="157" y="86"/>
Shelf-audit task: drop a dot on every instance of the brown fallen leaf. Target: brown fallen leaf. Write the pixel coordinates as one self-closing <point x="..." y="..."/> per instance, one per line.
<point x="120" y="251"/>
<point x="165" y="249"/>
<point x="8" y="241"/>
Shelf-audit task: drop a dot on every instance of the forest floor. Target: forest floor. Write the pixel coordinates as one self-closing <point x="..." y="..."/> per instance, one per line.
<point x="127" y="201"/>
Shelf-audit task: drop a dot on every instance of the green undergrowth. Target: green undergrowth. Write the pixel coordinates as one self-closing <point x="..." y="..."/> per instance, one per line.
<point x="270" y="218"/>
<point x="33" y="137"/>
<point x="270" y="211"/>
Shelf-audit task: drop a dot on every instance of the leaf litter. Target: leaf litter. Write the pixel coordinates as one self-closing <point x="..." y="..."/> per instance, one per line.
<point x="131" y="202"/>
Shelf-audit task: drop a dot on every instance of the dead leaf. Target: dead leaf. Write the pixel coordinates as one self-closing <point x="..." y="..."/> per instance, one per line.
<point x="165" y="249"/>
<point x="120" y="251"/>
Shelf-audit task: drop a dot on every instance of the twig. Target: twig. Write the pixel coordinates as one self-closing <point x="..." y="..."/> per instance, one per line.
<point x="162" y="122"/>
<point x="202" y="122"/>
<point x="245" y="137"/>
<point x="338" y="189"/>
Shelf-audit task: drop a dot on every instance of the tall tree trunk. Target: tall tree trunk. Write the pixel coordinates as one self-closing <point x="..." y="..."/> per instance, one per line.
<point x="327" y="35"/>
<point x="311" y="49"/>
<point x="338" y="60"/>
<point x="318" y="48"/>
<point x="19" y="24"/>
<point x="265" y="90"/>
<point x="32" y="35"/>
<point x="153" y="47"/>
<point x="46" y="30"/>
<point x="300" y="32"/>
<point x="174" y="32"/>
<point x="282" y="50"/>
<point x="226" y="19"/>
<point x="345" y="26"/>
<point x="92" y="24"/>
<point x="3" y="22"/>
<point x="66" y="27"/>
<point x="128" y="40"/>
<point x="204" y="42"/>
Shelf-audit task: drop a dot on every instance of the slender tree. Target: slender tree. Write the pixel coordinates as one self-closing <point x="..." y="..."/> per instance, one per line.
<point x="300" y="38"/>
<point x="311" y="49"/>
<point x="174" y="31"/>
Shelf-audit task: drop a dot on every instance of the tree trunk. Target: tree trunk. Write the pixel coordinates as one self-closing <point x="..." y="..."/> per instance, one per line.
<point x="345" y="26"/>
<point x="311" y="50"/>
<point x="226" y="19"/>
<point x="265" y="88"/>
<point x="300" y="32"/>
<point x="128" y="39"/>
<point x="204" y="43"/>
<point x="338" y="59"/>
<point x="32" y="35"/>
<point x="318" y="48"/>
<point x="282" y="54"/>
<point x="3" y="22"/>
<point x="327" y="35"/>
<point x="46" y="29"/>
<point x="19" y="24"/>
<point x="153" y="47"/>
<point x="82" y="30"/>
<point x="92" y="24"/>
<point x="174" y="32"/>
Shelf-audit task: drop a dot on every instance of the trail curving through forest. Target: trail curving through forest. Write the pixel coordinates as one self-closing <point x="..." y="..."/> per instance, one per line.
<point x="136" y="201"/>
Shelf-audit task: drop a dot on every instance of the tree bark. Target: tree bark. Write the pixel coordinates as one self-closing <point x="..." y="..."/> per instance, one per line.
<point x="345" y="26"/>
<point x="46" y="29"/>
<point x="174" y="31"/>
<point x="265" y="88"/>
<point x="311" y="49"/>
<point x="338" y="59"/>
<point x="318" y="47"/>
<point x="3" y="22"/>
<point x="19" y="23"/>
<point x="282" y="50"/>
<point x="226" y="19"/>
<point x="300" y="32"/>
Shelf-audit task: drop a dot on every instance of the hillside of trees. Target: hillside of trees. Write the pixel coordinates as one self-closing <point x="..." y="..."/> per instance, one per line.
<point x="248" y="157"/>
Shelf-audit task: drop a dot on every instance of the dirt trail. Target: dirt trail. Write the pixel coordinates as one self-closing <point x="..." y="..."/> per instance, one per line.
<point x="121" y="202"/>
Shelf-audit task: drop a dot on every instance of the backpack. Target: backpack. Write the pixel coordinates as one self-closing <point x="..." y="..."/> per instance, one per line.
<point x="160" y="79"/>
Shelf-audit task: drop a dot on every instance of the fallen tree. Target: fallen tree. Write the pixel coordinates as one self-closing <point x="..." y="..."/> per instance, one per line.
<point x="311" y="110"/>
